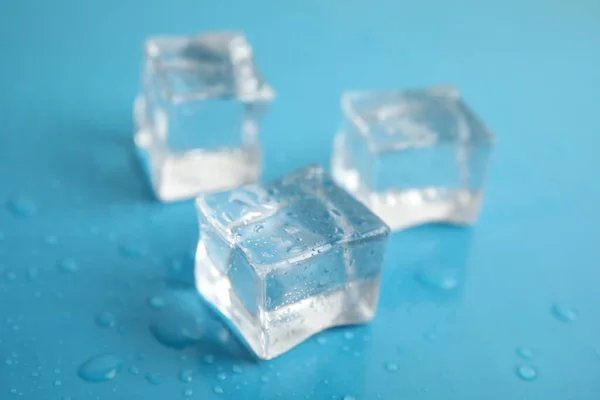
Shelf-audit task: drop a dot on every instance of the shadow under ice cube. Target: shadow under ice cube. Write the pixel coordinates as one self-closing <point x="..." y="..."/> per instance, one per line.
<point x="290" y="258"/>
<point x="414" y="156"/>
<point x="197" y="117"/>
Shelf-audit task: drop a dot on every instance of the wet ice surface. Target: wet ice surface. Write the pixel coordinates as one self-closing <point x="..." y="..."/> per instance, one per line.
<point x="413" y="156"/>
<point x="199" y="110"/>
<point x="285" y="260"/>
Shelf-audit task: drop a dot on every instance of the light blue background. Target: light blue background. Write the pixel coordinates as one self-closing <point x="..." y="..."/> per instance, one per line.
<point x="69" y="70"/>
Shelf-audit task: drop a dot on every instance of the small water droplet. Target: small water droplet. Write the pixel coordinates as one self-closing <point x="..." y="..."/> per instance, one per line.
<point x="221" y="376"/>
<point x="134" y="370"/>
<point x="349" y="335"/>
<point x="223" y="335"/>
<point x="8" y="361"/>
<point x="258" y="228"/>
<point x="57" y="370"/>
<point x="66" y="398"/>
<point x="186" y="375"/>
<point x="156" y="302"/>
<point x="348" y="397"/>
<point x="32" y="273"/>
<point x="105" y="320"/>
<point x="564" y="313"/>
<point x="131" y="251"/>
<point x="154" y="378"/>
<point x="430" y="336"/>
<point x="439" y="278"/>
<point x="57" y="383"/>
<point x="100" y="368"/>
<point x="51" y="240"/>
<point x="525" y="353"/>
<point x="22" y="207"/>
<point x="208" y="359"/>
<point x="68" y="266"/>
<point x="391" y="367"/>
<point x="237" y="369"/>
<point x="264" y="378"/>
<point x="321" y="340"/>
<point x="218" y="389"/>
<point x="526" y="372"/>
<point x="188" y="393"/>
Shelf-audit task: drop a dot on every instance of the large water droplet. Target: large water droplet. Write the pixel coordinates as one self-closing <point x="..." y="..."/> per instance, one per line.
<point x="439" y="278"/>
<point x="526" y="372"/>
<point x="525" y="353"/>
<point x="154" y="378"/>
<point x="68" y="266"/>
<point x="22" y="207"/>
<point x="174" y="335"/>
<point x="186" y="375"/>
<point x="564" y="313"/>
<point x="101" y="368"/>
<point x="105" y="320"/>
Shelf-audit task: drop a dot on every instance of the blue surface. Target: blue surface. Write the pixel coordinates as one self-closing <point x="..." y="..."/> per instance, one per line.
<point x="81" y="234"/>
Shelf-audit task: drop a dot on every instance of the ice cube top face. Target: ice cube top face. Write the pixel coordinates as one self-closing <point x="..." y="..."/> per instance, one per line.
<point x="198" y="114"/>
<point x="413" y="156"/>
<point x="204" y="91"/>
<point x="285" y="260"/>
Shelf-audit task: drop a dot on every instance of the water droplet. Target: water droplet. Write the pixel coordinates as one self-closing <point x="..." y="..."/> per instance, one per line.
<point x="134" y="370"/>
<point x="131" y="251"/>
<point x="525" y="353"/>
<point x="32" y="273"/>
<point x="258" y="228"/>
<point x="564" y="313"/>
<point x="349" y="335"/>
<point x="154" y="378"/>
<point x="264" y="378"/>
<point x="68" y="266"/>
<point x="57" y="383"/>
<point x="57" y="370"/>
<point x="221" y="376"/>
<point x="11" y="276"/>
<point x="348" y="397"/>
<point x="391" y="367"/>
<point x="22" y="207"/>
<point x="51" y="240"/>
<point x="66" y="398"/>
<point x="105" y="320"/>
<point x="186" y="375"/>
<point x="439" y="278"/>
<point x="172" y="334"/>
<point x="237" y="369"/>
<point x="218" y="389"/>
<point x="100" y="368"/>
<point x="223" y="335"/>
<point x="526" y="372"/>
<point x="188" y="393"/>
<point x="209" y="359"/>
<point x="156" y="302"/>
<point x="321" y="340"/>
<point x="13" y="391"/>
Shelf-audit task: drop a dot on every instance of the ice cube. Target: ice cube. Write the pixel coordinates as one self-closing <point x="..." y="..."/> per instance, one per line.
<point x="290" y="258"/>
<point x="196" y="119"/>
<point x="413" y="156"/>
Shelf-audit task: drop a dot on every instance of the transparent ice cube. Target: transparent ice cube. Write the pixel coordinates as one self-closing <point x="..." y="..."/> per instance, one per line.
<point x="287" y="259"/>
<point x="196" y="119"/>
<point x="414" y="156"/>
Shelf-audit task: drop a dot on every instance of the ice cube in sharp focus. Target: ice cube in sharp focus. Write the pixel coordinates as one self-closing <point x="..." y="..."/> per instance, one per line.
<point x="413" y="156"/>
<point x="196" y="120"/>
<point x="287" y="259"/>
